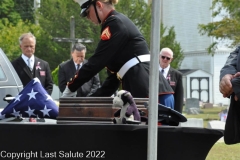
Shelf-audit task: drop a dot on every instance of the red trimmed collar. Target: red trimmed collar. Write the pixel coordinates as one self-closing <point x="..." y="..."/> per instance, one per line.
<point x="108" y="15"/>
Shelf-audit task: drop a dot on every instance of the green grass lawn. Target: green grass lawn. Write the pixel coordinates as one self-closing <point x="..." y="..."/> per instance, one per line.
<point x="207" y="114"/>
<point x="219" y="151"/>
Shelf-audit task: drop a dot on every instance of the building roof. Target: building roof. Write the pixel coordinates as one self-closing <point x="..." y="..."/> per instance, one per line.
<point x="187" y="71"/>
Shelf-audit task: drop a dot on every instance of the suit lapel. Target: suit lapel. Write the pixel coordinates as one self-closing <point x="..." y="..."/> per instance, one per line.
<point x="36" y="71"/>
<point x="169" y="72"/>
<point x="169" y="75"/>
<point x="72" y="72"/>
<point x="72" y="68"/>
<point x="25" y="67"/>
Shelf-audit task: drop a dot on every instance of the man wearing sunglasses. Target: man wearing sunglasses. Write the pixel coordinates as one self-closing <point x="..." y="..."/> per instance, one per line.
<point x="173" y="77"/>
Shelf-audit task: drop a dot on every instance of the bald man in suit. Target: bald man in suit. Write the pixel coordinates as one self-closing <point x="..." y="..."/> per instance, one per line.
<point x="173" y="76"/>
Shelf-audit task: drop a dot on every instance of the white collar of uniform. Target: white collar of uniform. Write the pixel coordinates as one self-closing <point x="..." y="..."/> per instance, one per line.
<point x="25" y="58"/>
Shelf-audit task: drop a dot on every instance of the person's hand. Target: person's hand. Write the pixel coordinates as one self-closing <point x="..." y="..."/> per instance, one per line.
<point x="68" y="93"/>
<point x="235" y="98"/>
<point x="236" y="75"/>
<point x="225" y="85"/>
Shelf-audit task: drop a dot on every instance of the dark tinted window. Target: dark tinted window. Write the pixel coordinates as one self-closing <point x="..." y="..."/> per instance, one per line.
<point x="2" y="74"/>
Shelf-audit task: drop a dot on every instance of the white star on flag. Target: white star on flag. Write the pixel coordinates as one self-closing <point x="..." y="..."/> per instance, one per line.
<point x="30" y="112"/>
<point x="32" y="94"/>
<point x="36" y="80"/>
<point x="48" y="97"/>
<point x="34" y="102"/>
<point x="45" y="111"/>
<point x="17" y="98"/>
<point x="15" y="113"/>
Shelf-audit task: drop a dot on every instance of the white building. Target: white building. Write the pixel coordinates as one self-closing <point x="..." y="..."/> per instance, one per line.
<point x="185" y="16"/>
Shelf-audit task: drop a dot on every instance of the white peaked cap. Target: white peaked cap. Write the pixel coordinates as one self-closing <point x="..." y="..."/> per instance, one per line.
<point x="80" y="2"/>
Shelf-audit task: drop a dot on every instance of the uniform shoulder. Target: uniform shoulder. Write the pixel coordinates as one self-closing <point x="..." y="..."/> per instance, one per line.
<point x="116" y="16"/>
<point x="111" y="19"/>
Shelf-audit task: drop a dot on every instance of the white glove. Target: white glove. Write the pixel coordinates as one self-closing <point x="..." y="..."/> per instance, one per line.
<point x="68" y="93"/>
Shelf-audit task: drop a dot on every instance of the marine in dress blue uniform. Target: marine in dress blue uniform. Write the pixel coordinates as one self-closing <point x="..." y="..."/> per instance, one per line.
<point x="123" y="51"/>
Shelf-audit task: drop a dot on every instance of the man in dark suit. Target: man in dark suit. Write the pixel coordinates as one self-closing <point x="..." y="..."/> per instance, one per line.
<point x="173" y="76"/>
<point x="69" y="68"/>
<point x="227" y="73"/>
<point x="29" y="66"/>
<point x="229" y="87"/>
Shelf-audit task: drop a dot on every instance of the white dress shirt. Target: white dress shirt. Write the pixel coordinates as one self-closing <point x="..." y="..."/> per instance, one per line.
<point x="25" y="58"/>
<point x="165" y="70"/>
<point x="76" y="65"/>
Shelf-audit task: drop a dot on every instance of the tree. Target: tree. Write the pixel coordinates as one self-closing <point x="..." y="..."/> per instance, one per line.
<point x="54" y="18"/>
<point x="169" y="40"/>
<point x="140" y="13"/>
<point x="54" y="21"/>
<point x="9" y="41"/>
<point x="228" y="27"/>
<point x="26" y="9"/>
<point x="7" y="13"/>
<point x="9" y="37"/>
<point x="137" y="10"/>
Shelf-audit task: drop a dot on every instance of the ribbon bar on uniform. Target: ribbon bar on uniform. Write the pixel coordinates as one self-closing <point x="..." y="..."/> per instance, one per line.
<point x="132" y="62"/>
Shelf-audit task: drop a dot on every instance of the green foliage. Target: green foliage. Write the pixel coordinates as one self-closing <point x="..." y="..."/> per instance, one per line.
<point x="7" y="13"/>
<point x="26" y="9"/>
<point x="221" y="151"/>
<point x="140" y="13"/>
<point x="55" y="75"/>
<point x="9" y="37"/>
<point x="54" y="21"/>
<point x="49" y="13"/>
<point x="228" y="27"/>
<point x="169" y="40"/>
<point x="45" y="47"/>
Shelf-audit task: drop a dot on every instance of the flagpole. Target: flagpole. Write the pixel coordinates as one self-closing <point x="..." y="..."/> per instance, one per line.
<point x="154" y="78"/>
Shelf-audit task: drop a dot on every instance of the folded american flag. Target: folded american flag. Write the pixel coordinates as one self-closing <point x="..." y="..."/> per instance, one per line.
<point x="32" y="101"/>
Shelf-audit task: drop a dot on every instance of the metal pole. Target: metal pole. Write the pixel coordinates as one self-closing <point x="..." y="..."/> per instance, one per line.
<point x="36" y="5"/>
<point x="154" y="78"/>
<point x="72" y="31"/>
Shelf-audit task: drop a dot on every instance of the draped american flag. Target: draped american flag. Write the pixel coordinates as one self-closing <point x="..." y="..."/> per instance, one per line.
<point x="32" y="101"/>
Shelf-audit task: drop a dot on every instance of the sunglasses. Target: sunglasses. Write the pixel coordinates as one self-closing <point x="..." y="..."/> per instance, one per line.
<point x="85" y="12"/>
<point x="163" y="57"/>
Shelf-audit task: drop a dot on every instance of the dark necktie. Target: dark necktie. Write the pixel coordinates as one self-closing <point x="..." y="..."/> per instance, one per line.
<point x="78" y="67"/>
<point x="162" y="71"/>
